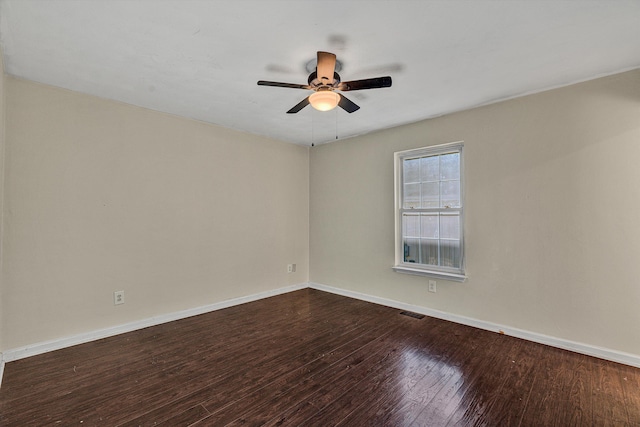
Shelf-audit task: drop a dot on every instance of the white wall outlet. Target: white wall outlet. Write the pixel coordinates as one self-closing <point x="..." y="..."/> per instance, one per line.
<point x="432" y="285"/>
<point x="118" y="297"/>
<point x="291" y="268"/>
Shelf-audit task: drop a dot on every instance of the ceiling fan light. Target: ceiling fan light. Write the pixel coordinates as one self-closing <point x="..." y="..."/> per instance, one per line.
<point x="324" y="100"/>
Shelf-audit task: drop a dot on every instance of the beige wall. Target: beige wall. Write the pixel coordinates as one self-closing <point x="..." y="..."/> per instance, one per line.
<point x="102" y="196"/>
<point x="552" y="210"/>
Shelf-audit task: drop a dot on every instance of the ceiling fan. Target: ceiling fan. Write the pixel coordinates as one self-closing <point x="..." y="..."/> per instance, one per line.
<point x="324" y="82"/>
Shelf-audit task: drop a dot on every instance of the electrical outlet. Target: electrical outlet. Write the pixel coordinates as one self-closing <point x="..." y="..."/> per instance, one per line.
<point x="432" y="285"/>
<point x="118" y="297"/>
<point x="291" y="268"/>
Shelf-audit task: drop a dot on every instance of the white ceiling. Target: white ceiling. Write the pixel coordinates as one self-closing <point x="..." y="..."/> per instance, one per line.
<point x="202" y="59"/>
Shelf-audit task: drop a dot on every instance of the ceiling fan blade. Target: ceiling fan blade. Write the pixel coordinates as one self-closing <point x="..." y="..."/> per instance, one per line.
<point x="326" y="67"/>
<point x="375" y="83"/>
<point x="347" y="105"/>
<point x="299" y="106"/>
<point x="278" y="84"/>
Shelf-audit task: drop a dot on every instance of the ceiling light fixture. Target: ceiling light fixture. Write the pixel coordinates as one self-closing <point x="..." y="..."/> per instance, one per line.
<point x="324" y="100"/>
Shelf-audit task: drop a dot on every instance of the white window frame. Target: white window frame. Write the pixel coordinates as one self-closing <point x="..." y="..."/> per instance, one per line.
<point x="439" y="272"/>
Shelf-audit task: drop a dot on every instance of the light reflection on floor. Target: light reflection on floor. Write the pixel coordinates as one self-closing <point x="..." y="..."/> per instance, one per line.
<point x="429" y="386"/>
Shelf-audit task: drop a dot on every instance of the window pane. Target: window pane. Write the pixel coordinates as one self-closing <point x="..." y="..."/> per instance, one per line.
<point x="450" y="166"/>
<point x="430" y="195"/>
<point x="450" y="253"/>
<point x="429" y="169"/>
<point x="411" y="170"/>
<point x="411" y="250"/>
<point x="450" y="244"/>
<point x="429" y="251"/>
<point x="411" y="196"/>
<point x="429" y="226"/>
<point x="411" y="225"/>
<point x="450" y="194"/>
<point x="450" y="226"/>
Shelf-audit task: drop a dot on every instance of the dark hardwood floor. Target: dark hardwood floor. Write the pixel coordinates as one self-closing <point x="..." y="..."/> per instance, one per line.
<point x="311" y="358"/>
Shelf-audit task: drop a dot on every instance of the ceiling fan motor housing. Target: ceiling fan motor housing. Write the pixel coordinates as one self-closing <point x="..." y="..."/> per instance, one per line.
<point x="314" y="81"/>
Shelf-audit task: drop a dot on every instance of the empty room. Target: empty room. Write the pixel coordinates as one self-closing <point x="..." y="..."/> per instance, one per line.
<point x="319" y="213"/>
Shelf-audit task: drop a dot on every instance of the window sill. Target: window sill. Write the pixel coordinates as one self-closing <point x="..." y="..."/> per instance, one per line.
<point x="430" y="273"/>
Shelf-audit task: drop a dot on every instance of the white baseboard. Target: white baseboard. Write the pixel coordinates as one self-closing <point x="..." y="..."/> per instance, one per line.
<point x="57" y="344"/>
<point x="589" y="350"/>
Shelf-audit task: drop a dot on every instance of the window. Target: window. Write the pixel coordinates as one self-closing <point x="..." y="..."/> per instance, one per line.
<point x="429" y="212"/>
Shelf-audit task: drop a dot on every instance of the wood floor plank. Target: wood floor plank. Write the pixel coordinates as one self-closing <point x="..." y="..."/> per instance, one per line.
<point x="465" y="372"/>
<point x="506" y="405"/>
<point x="267" y="402"/>
<point x="559" y="393"/>
<point x="607" y="380"/>
<point x="141" y="375"/>
<point x="283" y="361"/>
<point x="605" y="383"/>
<point x="257" y="409"/>
<point x="141" y="344"/>
<point x="217" y="394"/>
<point x="483" y="386"/>
<point x="367" y="385"/>
<point x="411" y="362"/>
<point x="429" y="366"/>
<point x="631" y="390"/>
<point x="307" y="390"/>
<point x="184" y="373"/>
<point x="272" y="360"/>
<point x="186" y="418"/>
<point x="314" y="358"/>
